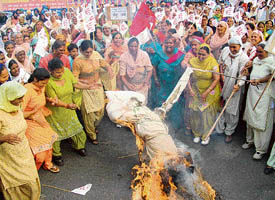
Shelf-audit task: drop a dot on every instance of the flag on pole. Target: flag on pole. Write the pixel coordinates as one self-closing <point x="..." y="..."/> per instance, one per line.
<point x="144" y="18"/>
<point x="144" y="36"/>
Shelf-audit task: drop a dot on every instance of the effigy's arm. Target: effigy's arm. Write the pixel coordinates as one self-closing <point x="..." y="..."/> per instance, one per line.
<point x="174" y="96"/>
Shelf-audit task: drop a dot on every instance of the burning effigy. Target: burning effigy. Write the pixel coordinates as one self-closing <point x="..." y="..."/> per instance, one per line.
<point x="165" y="172"/>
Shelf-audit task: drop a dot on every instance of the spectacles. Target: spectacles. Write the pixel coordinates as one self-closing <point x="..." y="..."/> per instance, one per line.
<point x="259" y="51"/>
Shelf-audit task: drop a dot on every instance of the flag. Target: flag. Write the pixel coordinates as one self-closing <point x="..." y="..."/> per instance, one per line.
<point x="144" y="18"/>
<point x="144" y="36"/>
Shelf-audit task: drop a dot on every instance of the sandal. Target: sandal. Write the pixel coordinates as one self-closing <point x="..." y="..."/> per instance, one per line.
<point x="58" y="160"/>
<point x="54" y="169"/>
<point x="228" y="139"/>
<point x="94" y="142"/>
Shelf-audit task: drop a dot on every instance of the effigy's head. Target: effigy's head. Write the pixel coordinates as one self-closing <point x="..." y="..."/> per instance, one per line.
<point x="120" y="102"/>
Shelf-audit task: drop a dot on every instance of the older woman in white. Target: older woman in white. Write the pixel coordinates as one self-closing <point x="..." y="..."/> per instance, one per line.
<point x="259" y="121"/>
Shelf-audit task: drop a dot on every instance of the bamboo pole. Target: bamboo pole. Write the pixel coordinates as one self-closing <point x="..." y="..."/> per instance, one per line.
<point x="237" y="78"/>
<point x="130" y="155"/>
<point x="54" y="187"/>
<point x="266" y="87"/>
<point x="220" y="115"/>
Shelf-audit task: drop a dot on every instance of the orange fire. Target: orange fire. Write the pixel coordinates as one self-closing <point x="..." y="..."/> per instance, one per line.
<point x="156" y="179"/>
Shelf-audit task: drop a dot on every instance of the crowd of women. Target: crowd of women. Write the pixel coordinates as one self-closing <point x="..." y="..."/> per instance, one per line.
<point x="56" y="92"/>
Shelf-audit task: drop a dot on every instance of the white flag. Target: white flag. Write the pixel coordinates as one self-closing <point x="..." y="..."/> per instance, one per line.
<point x="82" y="190"/>
<point x="144" y="36"/>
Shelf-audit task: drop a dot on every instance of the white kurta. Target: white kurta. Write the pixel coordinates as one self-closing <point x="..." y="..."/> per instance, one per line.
<point x="233" y="68"/>
<point x="260" y="121"/>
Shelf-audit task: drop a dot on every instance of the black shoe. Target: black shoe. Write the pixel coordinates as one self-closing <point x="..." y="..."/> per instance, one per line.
<point x="82" y="152"/>
<point x="58" y="160"/>
<point x="268" y="170"/>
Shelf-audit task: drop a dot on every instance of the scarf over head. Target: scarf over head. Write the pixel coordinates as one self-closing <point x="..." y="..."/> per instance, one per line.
<point x="210" y="61"/>
<point x="10" y="91"/>
<point x="235" y="40"/>
<point x="217" y="41"/>
<point x="18" y="49"/>
<point x="259" y="33"/>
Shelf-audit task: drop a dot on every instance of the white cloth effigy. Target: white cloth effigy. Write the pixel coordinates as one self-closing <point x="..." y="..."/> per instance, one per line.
<point x="129" y="106"/>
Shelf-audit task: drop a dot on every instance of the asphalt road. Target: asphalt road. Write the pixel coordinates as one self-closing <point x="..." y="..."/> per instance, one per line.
<point x="228" y="168"/>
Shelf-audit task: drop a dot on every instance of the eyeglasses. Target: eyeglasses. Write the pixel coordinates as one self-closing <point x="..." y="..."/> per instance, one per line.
<point x="259" y="51"/>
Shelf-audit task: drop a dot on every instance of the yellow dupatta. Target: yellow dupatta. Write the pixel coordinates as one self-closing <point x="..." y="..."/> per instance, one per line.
<point x="203" y="80"/>
<point x="10" y="91"/>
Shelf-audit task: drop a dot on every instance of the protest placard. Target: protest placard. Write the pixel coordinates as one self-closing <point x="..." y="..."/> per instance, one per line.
<point x="65" y="23"/>
<point x="238" y="16"/>
<point x="228" y="12"/>
<point x="123" y="28"/>
<point x="211" y="4"/>
<point x="118" y="13"/>
<point x="234" y="2"/>
<point x="240" y="31"/>
<point x="159" y="16"/>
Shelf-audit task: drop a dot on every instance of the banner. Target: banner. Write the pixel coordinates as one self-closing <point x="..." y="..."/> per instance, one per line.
<point x="31" y="4"/>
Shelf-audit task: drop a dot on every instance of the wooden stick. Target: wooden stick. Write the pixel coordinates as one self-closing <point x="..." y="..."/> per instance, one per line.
<point x="54" y="187"/>
<point x="266" y="86"/>
<point x="237" y="78"/>
<point x="214" y="125"/>
<point x="130" y="155"/>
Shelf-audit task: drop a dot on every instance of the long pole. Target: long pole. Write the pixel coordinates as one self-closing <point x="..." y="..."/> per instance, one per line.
<point x="266" y="86"/>
<point x="202" y="70"/>
<point x="220" y="115"/>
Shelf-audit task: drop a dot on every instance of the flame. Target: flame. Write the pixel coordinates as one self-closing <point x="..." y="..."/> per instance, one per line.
<point x="152" y="180"/>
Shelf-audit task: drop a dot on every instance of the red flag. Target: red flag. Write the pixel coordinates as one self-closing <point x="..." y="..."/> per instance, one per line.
<point x="144" y="18"/>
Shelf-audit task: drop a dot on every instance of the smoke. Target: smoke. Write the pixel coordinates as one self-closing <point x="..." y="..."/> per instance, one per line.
<point x="187" y="180"/>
